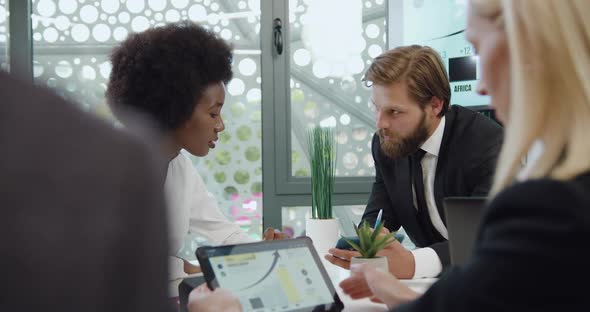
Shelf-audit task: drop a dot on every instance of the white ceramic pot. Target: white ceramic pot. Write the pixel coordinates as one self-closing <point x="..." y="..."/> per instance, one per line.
<point x="324" y="234"/>
<point x="379" y="262"/>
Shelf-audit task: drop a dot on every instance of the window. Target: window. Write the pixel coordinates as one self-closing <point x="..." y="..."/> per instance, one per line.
<point x="329" y="55"/>
<point x="3" y="35"/>
<point x="71" y="43"/>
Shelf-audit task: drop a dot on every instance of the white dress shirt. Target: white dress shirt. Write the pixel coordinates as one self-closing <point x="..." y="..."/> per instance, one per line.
<point x="428" y="263"/>
<point x="191" y="208"/>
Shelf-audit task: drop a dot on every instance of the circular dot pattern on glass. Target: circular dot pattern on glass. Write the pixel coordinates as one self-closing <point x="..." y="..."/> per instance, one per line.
<point x="72" y="41"/>
<point x="318" y="98"/>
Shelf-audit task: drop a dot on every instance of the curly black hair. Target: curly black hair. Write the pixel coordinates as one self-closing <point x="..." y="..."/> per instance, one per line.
<point x="163" y="71"/>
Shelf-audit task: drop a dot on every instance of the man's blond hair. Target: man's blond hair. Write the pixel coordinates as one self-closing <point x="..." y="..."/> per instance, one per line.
<point x="420" y="67"/>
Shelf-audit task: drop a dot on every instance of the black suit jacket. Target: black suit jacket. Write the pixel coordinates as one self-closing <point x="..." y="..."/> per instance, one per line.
<point x="465" y="167"/>
<point x="528" y="256"/>
<point x="82" y="211"/>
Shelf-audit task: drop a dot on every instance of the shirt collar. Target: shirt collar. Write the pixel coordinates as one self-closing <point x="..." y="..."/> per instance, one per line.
<point x="432" y="145"/>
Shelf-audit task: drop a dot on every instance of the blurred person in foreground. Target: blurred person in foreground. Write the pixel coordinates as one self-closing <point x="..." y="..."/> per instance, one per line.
<point x="81" y="203"/>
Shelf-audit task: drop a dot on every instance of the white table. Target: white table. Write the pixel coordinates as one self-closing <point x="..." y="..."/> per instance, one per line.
<point x="338" y="274"/>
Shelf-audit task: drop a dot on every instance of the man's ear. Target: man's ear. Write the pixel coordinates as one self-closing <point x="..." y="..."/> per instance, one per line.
<point x="436" y="105"/>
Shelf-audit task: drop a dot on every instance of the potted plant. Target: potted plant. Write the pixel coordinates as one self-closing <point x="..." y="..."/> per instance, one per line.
<point x="370" y="242"/>
<point x="322" y="227"/>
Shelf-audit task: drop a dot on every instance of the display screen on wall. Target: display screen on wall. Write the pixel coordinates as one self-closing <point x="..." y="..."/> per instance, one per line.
<point x="440" y="24"/>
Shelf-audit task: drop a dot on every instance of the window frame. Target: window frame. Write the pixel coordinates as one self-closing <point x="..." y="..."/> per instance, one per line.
<point x="280" y="188"/>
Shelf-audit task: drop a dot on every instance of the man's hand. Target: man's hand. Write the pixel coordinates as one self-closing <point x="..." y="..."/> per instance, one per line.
<point x="272" y="234"/>
<point x="201" y="299"/>
<point x="366" y="281"/>
<point x="190" y="268"/>
<point x="341" y="257"/>
<point x="400" y="260"/>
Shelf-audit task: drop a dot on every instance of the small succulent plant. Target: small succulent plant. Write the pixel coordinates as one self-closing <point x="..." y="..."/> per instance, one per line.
<point x="370" y="241"/>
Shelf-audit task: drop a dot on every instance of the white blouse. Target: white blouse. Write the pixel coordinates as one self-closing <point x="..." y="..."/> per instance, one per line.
<point x="191" y="208"/>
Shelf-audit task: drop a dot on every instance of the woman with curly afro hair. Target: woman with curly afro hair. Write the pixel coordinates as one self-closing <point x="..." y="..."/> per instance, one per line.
<point x="176" y="75"/>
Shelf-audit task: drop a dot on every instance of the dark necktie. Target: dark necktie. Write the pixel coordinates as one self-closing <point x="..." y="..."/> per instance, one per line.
<point x="423" y="216"/>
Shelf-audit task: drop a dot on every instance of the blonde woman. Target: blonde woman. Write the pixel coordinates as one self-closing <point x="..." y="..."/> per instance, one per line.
<point x="535" y="61"/>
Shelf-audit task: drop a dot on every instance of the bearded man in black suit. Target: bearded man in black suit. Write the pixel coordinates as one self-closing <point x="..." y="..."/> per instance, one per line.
<point x="424" y="150"/>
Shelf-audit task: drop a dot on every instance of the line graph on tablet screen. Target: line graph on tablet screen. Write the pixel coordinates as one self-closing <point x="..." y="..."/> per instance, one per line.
<point x="280" y="279"/>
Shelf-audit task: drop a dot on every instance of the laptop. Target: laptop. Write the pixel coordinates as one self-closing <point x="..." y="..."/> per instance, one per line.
<point x="280" y="275"/>
<point x="463" y="216"/>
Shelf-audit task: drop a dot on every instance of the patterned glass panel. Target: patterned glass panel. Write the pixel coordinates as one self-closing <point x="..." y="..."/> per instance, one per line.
<point x="72" y="41"/>
<point x="4" y="35"/>
<point x="327" y="89"/>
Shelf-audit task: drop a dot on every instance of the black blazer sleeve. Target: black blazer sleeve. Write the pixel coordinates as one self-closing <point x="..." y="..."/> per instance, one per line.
<point x="527" y="254"/>
<point x="379" y="198"/>
<point x="442" y="251"/>
<point x="484" y="164"/>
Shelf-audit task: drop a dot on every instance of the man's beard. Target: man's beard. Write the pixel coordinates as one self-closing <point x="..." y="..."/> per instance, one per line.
<point x="402" y="147"/>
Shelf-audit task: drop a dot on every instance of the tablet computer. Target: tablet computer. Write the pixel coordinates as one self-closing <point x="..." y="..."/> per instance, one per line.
<point x="280" y="275"/>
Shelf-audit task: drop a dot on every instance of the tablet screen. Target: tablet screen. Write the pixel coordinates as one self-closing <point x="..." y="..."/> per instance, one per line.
<point x="281" y="276"/>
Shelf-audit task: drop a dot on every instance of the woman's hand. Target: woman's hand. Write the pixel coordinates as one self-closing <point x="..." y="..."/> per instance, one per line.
<point x="201" y="299"/>
<point x="190" y="268"/>
<point x="366" y="281"/>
